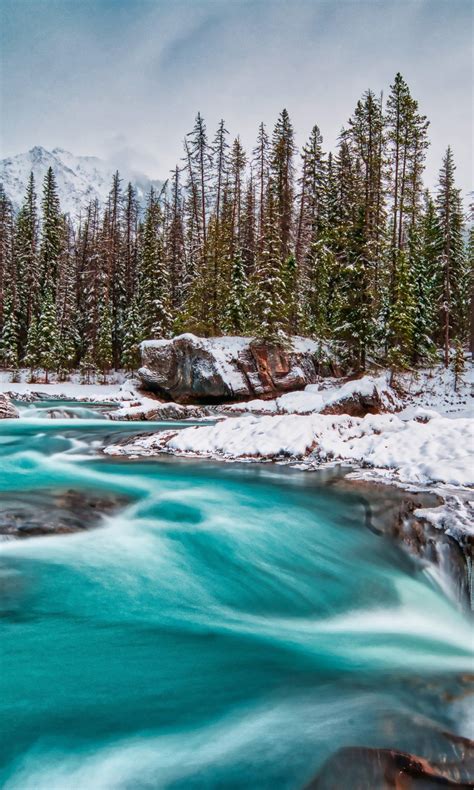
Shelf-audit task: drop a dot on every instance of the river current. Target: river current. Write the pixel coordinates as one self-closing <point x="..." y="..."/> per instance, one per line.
<point x="227" y="626"/>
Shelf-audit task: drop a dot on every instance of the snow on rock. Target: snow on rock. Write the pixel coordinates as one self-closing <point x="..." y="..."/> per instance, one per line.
<point x="437" y="450"/>
<point x="190" y="369"/>
<point x="356" y="397"/>
<point x="7" y="410"/>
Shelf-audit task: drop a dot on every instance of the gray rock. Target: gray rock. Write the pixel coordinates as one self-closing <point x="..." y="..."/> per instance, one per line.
<point x="7" y="410"/>
<point x="189" y="369"/>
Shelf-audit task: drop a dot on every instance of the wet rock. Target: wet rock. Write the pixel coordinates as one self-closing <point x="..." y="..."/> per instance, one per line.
<point x="55" y="513"/>
<point x="404" y="517"/>
<point x="7" y="409"/>
<point x="189" y="369"/>
<point x="361" y="768"/>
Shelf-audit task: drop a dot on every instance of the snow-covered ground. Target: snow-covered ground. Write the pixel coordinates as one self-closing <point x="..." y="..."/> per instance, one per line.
<point x="323" y="396"/>
<point x="117" y="388"/>
<point x="425" y="437"/>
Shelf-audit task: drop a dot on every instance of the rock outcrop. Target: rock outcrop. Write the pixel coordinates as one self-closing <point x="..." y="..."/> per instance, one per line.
<point x="360" y="768"/>
<point x="189" y="369"/>
<point x="7" y="410"/>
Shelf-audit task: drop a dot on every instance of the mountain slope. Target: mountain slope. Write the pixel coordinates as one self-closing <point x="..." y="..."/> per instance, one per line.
<point x="80" y="179"/>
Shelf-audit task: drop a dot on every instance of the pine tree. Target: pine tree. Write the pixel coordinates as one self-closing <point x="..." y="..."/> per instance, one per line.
<point x="104" y="349"/>
<point x="236" y="314"/>
<point x="407" y="137"/>
<point x="455" y="274"/>
<point x="132" y="337"/>
<point x="26" y="253"/>
<point x="9" y="335"/>
<point x="175" y="249"/>
<point x="282" y="178"/>
<point x="261" y="164"/>
<point x="68" y="337"/>
<point x="114" y="263"/>
<point x="51" y="234"/>
<point x="402" y="316"/>
<point x="7" y="257"/>
<point x="154" y="276"/>
<point x="48" y="337"/>
<point x="425" y="250"/>
<point x="129" y="250"/>
<point x="267" y="318"/>
<point x="33" y="347"/>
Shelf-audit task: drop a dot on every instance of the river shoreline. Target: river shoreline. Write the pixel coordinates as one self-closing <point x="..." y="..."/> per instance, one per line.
<point x="390" y="510"/>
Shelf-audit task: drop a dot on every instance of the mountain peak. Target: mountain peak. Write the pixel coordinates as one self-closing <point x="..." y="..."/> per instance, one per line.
<point x="80" y="179"/>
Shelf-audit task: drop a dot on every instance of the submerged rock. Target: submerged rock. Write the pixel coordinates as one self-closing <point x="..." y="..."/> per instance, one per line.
<point x="55" y="512"/>
<point x="7" y="410"/>
<point x="190" y="369"/>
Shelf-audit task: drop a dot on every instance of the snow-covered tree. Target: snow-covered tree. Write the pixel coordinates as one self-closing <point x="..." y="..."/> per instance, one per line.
<point x="132" y="336"/>
<point x="48" y="335"/>
<point x="104" y="355"/>
<point x="9" y="335"/>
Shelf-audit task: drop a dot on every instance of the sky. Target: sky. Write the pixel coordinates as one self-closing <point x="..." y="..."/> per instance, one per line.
<point x="124" y="79"/>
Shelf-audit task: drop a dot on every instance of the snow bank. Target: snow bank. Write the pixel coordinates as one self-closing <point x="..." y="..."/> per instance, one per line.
<point x="316" y="398"/>
<point x="437" y="450"/>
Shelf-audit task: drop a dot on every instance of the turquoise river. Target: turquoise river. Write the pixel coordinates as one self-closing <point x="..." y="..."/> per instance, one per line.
<point x="226" y="626"/>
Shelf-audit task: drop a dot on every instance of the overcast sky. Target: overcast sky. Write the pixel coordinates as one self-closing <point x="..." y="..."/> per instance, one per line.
<point x="123" y="79"/>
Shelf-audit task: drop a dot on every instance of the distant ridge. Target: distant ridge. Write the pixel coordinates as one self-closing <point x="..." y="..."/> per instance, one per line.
<point x="80" y="179"/>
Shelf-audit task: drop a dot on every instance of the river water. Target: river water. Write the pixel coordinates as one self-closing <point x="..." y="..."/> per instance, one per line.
<point x="228" y="626"/>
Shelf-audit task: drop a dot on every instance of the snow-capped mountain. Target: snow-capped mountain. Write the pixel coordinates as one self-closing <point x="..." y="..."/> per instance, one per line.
<point x="80" y="179"/>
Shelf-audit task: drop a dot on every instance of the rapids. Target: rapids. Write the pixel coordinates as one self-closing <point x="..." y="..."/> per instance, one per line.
<point x="230" y="627"/>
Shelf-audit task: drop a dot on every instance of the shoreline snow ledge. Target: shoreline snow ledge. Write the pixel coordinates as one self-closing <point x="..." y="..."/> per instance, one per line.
<point x="424" y="450"/>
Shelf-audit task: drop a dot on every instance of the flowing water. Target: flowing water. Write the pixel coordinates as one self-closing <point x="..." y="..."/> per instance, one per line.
<point x="229" y="626"/>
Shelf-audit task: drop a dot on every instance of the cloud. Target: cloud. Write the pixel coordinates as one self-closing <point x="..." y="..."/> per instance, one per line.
<point x="86" y="75"/>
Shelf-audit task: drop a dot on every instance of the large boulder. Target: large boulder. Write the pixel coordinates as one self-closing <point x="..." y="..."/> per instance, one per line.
<point x="7" y="410"/>
<point x="190" y="369"/>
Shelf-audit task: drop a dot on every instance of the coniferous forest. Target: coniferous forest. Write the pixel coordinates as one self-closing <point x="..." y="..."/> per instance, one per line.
<point x="344" y="246"/>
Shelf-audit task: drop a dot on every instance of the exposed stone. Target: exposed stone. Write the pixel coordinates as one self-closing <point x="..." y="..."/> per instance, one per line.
<point x="7" y="410"/>
<point x="358" y="404"/>
<point x="361" y="768"/>
<point x="189" y="369"/>
<point x="55" y="512"/>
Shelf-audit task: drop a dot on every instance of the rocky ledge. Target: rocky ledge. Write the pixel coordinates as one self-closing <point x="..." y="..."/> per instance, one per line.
<point x="7" y="410"/>
<point x="388" y="768"/>
<point x="192" y="370"/>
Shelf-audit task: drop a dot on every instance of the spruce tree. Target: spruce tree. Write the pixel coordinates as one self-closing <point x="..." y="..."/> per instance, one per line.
<point x="155" y="297"/>
<point x="48" y="336"/>
<point x="402" y="316"/>
<point x="237" y="308"/>
<point x="425" y="250"/>
<point x="7" y="256"/>
<point x="104" y="356"/>
<point x="33" y="347"/>
<point x="26" y="253"/>
<point x="282" y="179"/>
<point x="455" y="275"/>
<point x="132" y="337"/>
<point x="51" y="234"/>
<point x="9" y="335"/>
<point x="268" y="308"/>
